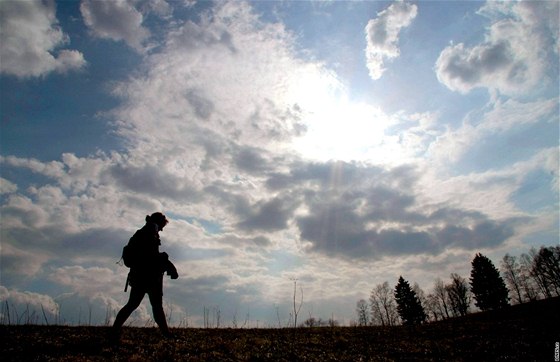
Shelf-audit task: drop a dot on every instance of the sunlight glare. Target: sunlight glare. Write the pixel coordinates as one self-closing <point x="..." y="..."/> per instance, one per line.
<point x="338" y="128"/>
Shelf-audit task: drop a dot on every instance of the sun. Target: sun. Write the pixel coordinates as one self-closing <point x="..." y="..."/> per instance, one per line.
<point x="338" y="128"/>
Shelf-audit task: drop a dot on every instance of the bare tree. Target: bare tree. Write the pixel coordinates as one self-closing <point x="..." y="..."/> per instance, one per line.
<point x="528" y="283"/>
<point x="169" y="312"/>
<point x="184" y="323"/>
<point x="217" y="315"/>
<point x="313" y="322"/>
<point x="333" y="322"/>
<point x="377" y="313"/>
<point x="534" y="266"/>
<point x="278" y="316"/>
<point x="362" y="310"/>
<point x="512" y="276"/>
<point x="546" y="268"/>
<point x="247" y="319"/>
<point x="296" y="308"/>
<point x="433" y="308"/>
<point x="420" y="294"/>
<point x="45" y="315"/>
<point x="234" y="319"/>
<point x="459" y="295"/>
<point x="383" y="306"/>
<point x="441" y="298"/>
<point x="206" y="317"/>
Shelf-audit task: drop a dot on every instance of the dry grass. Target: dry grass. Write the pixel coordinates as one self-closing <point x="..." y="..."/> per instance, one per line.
<point x="521" y="333"/>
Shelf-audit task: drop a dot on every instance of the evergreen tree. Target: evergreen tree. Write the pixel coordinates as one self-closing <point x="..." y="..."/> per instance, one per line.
<point x="487" y="285"/>
<point x="408" y="305"/>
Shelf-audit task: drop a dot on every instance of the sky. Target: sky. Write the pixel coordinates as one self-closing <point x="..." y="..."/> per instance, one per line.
<point x="335" y="145"/>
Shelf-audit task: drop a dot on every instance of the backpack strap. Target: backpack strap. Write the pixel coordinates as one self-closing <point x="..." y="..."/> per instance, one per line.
<point x="127" y="282"/>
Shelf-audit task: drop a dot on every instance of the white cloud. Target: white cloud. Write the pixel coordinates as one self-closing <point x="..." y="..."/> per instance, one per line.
<point x="28" y="306"/>
<point x="7" y="187"/>
<point x="488" y="192"/>
<point x="217" y="86"/>
<point x="86" y="281"/>
<point x="20" y="211"/>
<point x="159" y="7"/>
<point x="382" y="35"/>
<point x="189" y="3"/>
<point x="502" y="117"/>
<point x="18" y="262"/>
<point x="116" y="20"/>
<point x="504" y="62"/>
<point x="53" y="169"/>
<point x="31" y="38"/>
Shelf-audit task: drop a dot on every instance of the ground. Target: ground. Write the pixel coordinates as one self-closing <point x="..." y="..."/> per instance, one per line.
<point x="527" y="332"/>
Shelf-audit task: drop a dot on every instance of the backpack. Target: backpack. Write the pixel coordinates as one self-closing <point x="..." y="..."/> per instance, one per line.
<point x="131" y="253"/>
<point x="128" y="255"/>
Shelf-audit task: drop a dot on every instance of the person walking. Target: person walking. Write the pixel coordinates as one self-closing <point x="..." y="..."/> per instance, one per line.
<point x="147" y="267"/>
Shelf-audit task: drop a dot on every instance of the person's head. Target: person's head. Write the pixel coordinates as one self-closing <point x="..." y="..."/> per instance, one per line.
<point x="157" y="218"/>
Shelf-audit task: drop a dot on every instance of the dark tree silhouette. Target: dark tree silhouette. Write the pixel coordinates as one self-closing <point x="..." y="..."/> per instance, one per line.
<point x="546" y="270"/>
<point x="383" y="308"/>
<point x="459" y="296"/>
<point x="529" y="283"/>
<point x="513" y="277"/>
<point x="362" y="309"/>
<point x="487" y="285"/>
<point x="408" y="305"/>
<point x="441" y="298"/>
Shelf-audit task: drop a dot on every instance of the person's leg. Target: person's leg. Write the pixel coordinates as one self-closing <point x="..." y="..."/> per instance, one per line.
<point x="156" y="300"/>
<point x="134" y="300"/>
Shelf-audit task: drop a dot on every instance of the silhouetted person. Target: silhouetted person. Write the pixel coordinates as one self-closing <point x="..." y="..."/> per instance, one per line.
<point x="146" y="274"/>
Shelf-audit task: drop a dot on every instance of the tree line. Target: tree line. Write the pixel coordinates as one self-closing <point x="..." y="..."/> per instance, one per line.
<point x="531" y="276"/>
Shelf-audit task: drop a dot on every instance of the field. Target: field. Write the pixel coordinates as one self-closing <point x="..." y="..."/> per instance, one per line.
<point x="525" y="332"/>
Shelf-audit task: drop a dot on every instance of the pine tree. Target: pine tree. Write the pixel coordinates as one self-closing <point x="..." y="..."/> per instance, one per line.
<point x="487" y="285"/>
<point x="408" y="305"/>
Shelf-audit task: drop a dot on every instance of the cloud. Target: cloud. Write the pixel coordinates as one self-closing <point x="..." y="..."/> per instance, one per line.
<point x="501" y="118"/>
<point x="158" y="7"/>
<point x="85" y="281"/>
<point x="269" y="215"/>
<point x="491" y="192"/>
<point x="154" y="181"/>
<point x="252" y="159"/>
<point x="210" y="85"/>
<point x="358" y="211"/>
<point x="205" y="116"/>
<point x="53" y="169"/>
<point x="116" y="20"/>
<point x="28" y="306"/>
<point x="382" y="35"/>
<point x="31" y="38"/>
<point x="7" y="187"/>
<point x="20" y="211"/>
<point x="503" y="62"/>
<point x="19" y="263"/>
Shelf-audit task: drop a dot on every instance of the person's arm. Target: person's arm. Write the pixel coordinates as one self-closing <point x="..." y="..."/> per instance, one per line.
<point x="171" y="270"/>
<point x="167" y="266"/>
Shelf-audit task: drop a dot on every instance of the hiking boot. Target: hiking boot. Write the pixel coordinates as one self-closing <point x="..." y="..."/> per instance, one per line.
<point x="169" y="336"/>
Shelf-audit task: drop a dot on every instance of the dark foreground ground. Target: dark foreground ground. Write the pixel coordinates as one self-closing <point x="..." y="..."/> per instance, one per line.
<point x="521" y="333"/>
